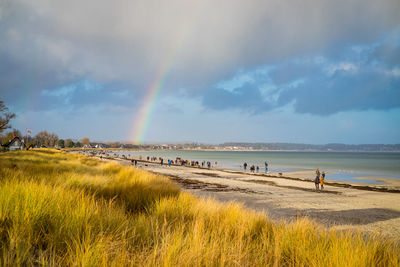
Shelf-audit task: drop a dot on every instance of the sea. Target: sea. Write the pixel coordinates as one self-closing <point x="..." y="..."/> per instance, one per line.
<point x="343" y="166"/>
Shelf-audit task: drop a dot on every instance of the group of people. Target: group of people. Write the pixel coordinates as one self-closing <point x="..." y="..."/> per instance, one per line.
<point x="178" y="161"/>
<point x="253" y="168"/>
<point x="319" y="179"/>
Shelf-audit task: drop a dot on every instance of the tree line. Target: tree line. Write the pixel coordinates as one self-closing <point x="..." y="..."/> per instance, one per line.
<point x="41" y="139"/>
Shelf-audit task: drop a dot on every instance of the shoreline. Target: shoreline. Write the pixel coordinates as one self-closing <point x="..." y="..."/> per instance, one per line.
<point x="228" y="150"/>
<point x="338" y="206"/>
<point x="385" y="184"/>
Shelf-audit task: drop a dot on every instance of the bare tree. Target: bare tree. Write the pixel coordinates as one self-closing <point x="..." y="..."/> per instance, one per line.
<point x="46" y="139"/>
<point x="10" y="135"/>
<point x="5" y="117"/>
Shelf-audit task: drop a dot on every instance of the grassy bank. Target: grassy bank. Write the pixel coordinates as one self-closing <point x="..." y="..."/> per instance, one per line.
<point x="65" y="209"/>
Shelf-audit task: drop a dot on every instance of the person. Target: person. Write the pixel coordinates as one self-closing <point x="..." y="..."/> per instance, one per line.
<point x="266" y="167"/>
<point x="132" y="162"/>
<point x="316" y="181"/>
<point x="161" y="161"/>
<point x="245" y="166"/>
<point x="258" y="168"/>
<point x="252" y="168"/>
<point x="321" y="180"/>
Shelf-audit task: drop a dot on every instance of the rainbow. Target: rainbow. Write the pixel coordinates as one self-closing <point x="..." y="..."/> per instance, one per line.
<point x="142" y="119"/>
<point x="143" y="116"/>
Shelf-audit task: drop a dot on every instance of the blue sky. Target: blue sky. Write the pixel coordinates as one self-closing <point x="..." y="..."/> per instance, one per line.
<point x="251" y="71"/>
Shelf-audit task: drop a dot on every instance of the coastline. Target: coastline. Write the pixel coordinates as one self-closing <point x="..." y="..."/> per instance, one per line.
<point x="341" y="206"/>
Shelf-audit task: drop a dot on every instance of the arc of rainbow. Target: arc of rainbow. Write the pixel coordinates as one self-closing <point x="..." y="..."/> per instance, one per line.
<point x="143" y="116"/>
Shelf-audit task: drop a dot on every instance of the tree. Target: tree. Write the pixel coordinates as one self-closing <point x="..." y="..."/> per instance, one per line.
<point x="78" y="144"/>
<point x="44" y="138"/>
<point x="5" y="117"/>
<point x="85" y="141"/>
<point x="10" y="135"/>
<point x="60" y="143"/>
<point x="69" y="143"/>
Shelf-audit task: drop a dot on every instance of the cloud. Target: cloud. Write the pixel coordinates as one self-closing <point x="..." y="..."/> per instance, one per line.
<point x="49" y="44"/>
<point x="248" y="97"/>
<point x="367" y="89"/>
<point x="317" y="85"/>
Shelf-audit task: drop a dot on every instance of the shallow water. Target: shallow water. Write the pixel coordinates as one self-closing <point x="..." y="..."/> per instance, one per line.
<point x="346" y="166"/>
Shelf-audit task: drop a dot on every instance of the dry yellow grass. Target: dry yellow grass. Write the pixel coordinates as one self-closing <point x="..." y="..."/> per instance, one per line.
<point x="65" y="209"/>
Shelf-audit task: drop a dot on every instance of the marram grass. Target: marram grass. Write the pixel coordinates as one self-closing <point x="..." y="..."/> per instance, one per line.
<point x="65" y="209"/>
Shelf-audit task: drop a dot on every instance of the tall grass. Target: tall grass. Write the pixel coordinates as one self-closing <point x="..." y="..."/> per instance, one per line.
<point x="66" y="209"/>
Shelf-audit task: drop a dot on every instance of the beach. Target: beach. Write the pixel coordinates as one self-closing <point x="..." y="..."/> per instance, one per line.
<point x="340" y="206"/>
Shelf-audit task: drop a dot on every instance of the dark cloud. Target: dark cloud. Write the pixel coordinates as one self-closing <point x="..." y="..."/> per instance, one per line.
<point x="368" y="79"/>
<point x="126" y="45"/>
<point x="247" y="97"/>
<point x="388" y="53"/>
<point x="290" y="71"/>
<point x="365" y="90"/>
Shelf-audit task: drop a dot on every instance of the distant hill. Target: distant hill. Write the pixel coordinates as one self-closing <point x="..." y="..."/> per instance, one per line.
<point x="309" y="147"/>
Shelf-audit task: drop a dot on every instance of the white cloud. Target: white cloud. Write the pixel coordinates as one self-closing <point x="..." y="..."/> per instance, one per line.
<point x="342" y="66"/>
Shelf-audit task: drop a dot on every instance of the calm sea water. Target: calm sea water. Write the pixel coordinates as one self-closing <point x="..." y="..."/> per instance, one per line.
<point x="345" y="165"/>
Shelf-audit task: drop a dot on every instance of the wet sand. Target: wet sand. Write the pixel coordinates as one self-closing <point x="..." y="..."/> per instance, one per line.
<point x="339" y="205"/>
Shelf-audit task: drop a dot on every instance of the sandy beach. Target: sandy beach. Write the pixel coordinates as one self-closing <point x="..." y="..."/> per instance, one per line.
<point x="338" y="206"/>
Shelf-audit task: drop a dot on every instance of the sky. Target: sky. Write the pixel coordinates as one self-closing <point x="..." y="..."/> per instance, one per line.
<point x="307" y="71"/>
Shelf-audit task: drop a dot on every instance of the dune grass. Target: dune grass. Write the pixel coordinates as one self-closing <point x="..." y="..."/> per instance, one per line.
<point x="66" y="209"/>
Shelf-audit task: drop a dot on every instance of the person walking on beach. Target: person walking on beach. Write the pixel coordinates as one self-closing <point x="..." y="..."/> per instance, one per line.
<point x="266" y="167"/>
<point x="258" y="168"/>
<point x="245" y="166"/>
<point x="316" y="181"/>
<point x="161" y="161"/>
<point x="321" y="180"/>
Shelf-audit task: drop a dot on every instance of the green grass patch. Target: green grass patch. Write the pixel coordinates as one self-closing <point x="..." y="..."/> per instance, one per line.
<point x="66" y="209"/>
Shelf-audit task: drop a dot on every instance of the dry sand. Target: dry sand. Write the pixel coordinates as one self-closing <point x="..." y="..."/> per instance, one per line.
<point x="340" y="206"/>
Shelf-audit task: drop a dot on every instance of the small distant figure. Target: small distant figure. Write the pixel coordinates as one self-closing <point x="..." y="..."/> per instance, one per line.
<point x="252" y="168"/>
<point x="169" y="163"/>
<point x="161" y="161"/>
<point x="208" y="164"/>
<point x="266" y="167"/>
<point x="258" y="168"/>
<point x="132" y="162"/>
<point x="245" y="166"/>
<point x="321" y="180"/>
<point x="316" y="181"/>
